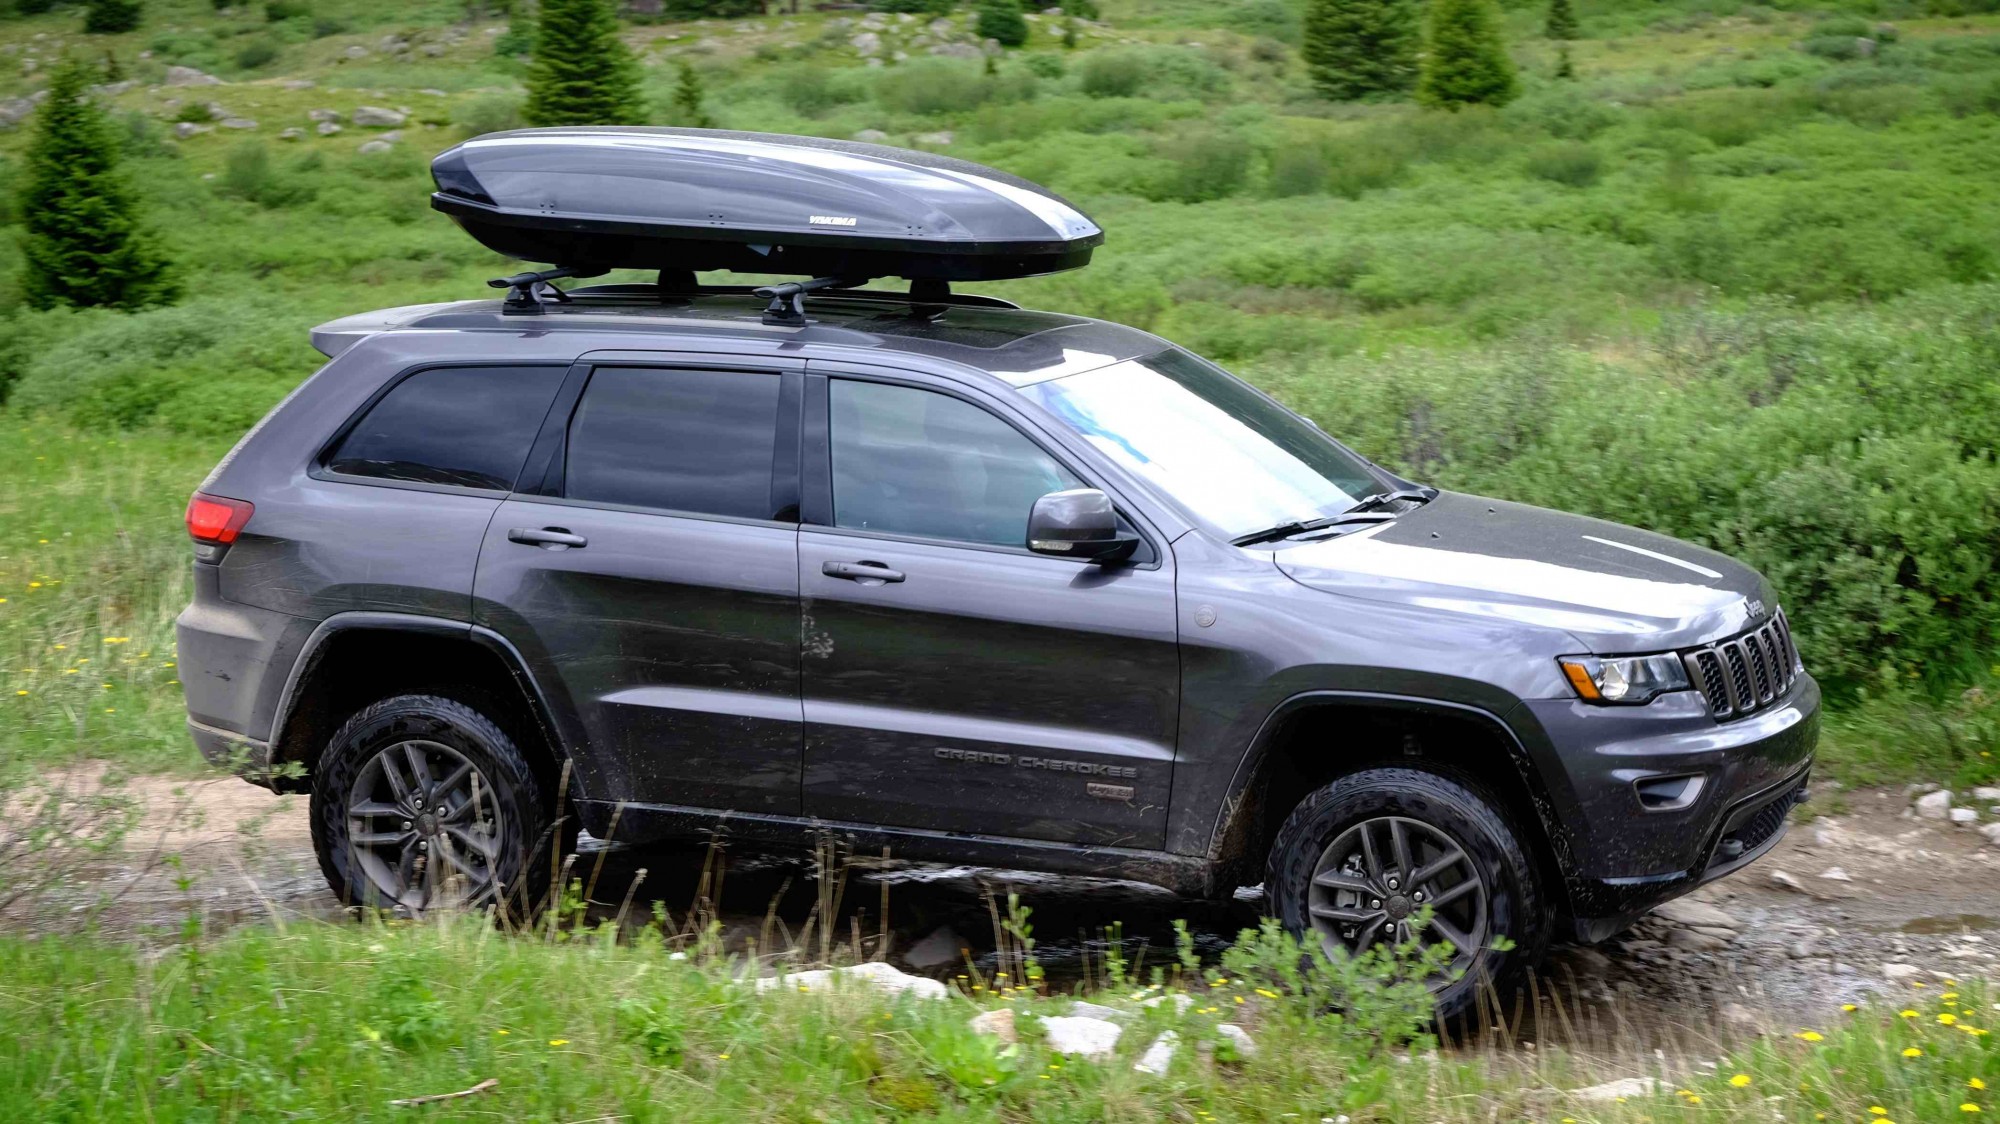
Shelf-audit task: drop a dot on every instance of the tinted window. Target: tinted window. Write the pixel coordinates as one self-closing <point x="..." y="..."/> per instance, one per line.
<point x="699" y="441"/>
<point x="914" y="462"/>
<point x="468" y="426"/>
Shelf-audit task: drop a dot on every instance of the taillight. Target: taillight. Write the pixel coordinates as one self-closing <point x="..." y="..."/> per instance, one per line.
<point x="216" y="520"/>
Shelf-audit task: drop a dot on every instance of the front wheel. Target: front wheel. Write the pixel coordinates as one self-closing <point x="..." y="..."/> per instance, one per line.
<point x="422" y="803"/>
<point x="1357" y="860"/>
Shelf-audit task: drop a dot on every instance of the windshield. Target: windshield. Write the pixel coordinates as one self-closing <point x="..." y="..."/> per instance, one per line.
<point x="1231" y="456"/>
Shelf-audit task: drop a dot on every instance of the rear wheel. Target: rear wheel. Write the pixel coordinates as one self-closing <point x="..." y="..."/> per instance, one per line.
<point x="1358" y="859"/>
<point x="423" y="803"/>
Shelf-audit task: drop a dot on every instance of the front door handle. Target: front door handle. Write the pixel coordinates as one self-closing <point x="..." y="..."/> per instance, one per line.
<point x="548" y="538"/>
<point x="867" y="573"/>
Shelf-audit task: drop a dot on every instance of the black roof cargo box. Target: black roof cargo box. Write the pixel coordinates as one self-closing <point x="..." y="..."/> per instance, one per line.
<point x="703" y="199"/>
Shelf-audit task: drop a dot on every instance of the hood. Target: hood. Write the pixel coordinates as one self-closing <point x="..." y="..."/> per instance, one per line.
<point x="1616" y="589"/>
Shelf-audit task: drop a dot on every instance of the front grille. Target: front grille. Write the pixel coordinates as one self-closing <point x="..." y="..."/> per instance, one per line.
<point x="1746" y="673"/>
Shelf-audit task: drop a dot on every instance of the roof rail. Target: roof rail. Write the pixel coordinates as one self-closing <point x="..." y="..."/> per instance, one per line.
<point x="671" y="293"/>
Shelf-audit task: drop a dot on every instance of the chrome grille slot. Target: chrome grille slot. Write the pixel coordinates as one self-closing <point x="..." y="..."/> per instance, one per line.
<point x="1747" y="672"/>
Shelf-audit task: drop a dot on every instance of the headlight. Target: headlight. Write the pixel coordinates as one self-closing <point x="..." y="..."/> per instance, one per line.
<point x="1624" y="680"/>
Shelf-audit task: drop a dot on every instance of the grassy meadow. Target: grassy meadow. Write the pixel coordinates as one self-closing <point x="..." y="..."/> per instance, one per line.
<point x="340" y="1022"/>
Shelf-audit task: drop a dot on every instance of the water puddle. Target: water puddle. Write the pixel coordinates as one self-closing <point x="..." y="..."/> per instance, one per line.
<point x="1949" y="923"/>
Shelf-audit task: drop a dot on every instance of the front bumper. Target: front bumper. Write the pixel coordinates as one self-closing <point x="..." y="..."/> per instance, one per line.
<point x="1624" y="857"/>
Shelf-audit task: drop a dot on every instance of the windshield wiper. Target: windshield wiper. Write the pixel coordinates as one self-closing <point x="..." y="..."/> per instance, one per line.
<point x="1300" y="527"/>
<point x="1362" y="511"/>
<point x="1371" y="502"/>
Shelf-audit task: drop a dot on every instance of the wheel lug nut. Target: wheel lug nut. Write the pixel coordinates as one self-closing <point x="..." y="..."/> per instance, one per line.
<point x="1374" y="903"/>
<point x="406" y="825"/>
<point x="1392" y="883"/>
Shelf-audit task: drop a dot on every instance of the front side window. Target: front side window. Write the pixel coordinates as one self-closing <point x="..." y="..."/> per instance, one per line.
<point x="464" y="426"/>
<point x="915" y="462"/>
<point x="679" y="440"/>
<point x="1233" y="457"/>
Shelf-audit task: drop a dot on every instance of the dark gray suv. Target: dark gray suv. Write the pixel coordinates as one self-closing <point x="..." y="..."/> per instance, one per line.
<point x="978" y="585"/>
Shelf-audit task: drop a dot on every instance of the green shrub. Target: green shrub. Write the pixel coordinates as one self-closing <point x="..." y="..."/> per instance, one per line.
<point x="1572" y="163"/>
<point x="812" y="90"/>
<point x="1273" y="19"/>
<point x="1205" y="164"/>
<point x="277" y="11"/>
<point x="1001" y="21"/>
<point x="1112" y="73"/>
<point x="1162" y="72"/>
<point x="1364" y="164"/>
<point x="1842" y="48"/>
<point x="109" y="17"/>
<point x="488" y="113"/>
<point x="933" y="86"/>
<point x="257" y="53"/>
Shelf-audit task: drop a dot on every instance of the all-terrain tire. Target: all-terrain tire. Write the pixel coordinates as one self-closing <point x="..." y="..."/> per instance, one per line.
<point x="526" y="800"/>
<point x="1478" y="823"/>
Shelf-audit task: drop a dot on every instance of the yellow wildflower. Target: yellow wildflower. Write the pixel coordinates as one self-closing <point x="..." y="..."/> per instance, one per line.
<point x="1947" y="1018"/>
<point x="1975" y="1083"/>
<point x="1968" y="1107"/>
<point x="1912" y="1052"/>
<point x="1907" y="1014"/>
<point x="1740" y="1080"/>
<point x="1810" y="1036"/>
<point x="1877" y="1110"/>
<point x="1850" y="1007"/>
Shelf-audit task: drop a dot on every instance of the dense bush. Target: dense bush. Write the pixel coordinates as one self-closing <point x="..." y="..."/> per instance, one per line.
<point x="1851" y="459"/>
<point x="1573" y="163"/>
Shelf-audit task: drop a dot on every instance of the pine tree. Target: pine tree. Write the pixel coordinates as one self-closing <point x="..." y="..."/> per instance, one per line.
<point x="1562" y="20"/>
<point x="1360" y="48"/>
<point x="688" y="108"/>
<point x="582" y="73"/>
<point x="1565" y="69"/>
<point x="1465" y="63"/>
<point x="82" y="240"/>
<point x="109" y="17"/>
<point x="1000" y="20"/>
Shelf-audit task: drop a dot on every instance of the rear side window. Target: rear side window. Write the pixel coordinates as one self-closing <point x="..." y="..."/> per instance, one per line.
<point x="465" y="426"/>
<point x="680" y="440"/>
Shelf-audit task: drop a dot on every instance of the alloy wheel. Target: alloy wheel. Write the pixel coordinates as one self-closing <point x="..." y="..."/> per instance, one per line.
<point x="425" y="827"/>
<point x="1372" y="880"/>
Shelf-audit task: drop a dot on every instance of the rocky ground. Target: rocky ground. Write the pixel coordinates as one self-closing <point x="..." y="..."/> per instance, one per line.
<point x="1883" y="888"/>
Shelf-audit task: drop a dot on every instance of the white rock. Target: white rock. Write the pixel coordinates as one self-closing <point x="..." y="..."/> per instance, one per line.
<point x="238" y="123"/>
<point x="1159" y="1055"/>
<point x="326" y="128"/>
<point x="1613" y="1090"/>
<point x="1095" y="1011"/>
<point x="374" y="147"/>
<point x="1992" y="833"/>
<point x="943" y="946"/>
<point x="322" y="115"/>
<point x="189" y="76"/>
<point x="1086" y="1037"/>
<point x="1965" y="815"/>
<point x="1934" y="805"/>
<point x="1682" y="911"/>
<point x="298" y="84"/>
<point x="867" y="44"/>
<point x="1900" y="971"/>
<point x="1246" y="1046"/>
<point x="939" y="139"/>
<point x="1698" y="940"/>
<point x="356" y="52"/>
<point x="1986" y="793"/>
<point x="1180" y="1000"/>
<point x="871" y="136"/>
<point x="1835" y="874"/>
<point x="293" y="133"/>
<point x="186" y="129"/>
<point x="1788" y="881"/>
<point x="376" y="117"/>
<point x="874" y="972"/>
<point x="999" y="1024"/>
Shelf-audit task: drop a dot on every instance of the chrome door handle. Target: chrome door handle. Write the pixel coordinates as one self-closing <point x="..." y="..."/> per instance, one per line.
<point x="867" y="573"/>
<point x="548" y="538"/>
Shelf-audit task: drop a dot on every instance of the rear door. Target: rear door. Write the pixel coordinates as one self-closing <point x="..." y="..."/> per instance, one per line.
<point x="649" y="574"/>
<point x="953" y="680"/>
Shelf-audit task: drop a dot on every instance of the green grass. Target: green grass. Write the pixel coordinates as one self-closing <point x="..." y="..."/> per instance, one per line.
<point x="320" y="1021"/>
<point x="1728" y="284"/>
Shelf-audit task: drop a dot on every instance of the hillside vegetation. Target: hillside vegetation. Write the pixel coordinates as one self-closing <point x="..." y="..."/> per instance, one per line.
<point x="1738" y="281"/>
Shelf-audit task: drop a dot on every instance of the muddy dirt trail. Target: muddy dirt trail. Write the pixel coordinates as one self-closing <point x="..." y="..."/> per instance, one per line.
<point x="1847" y="904"/>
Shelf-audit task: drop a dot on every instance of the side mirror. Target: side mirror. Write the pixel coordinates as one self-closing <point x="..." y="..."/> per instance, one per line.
<point x="1078" y="523"/>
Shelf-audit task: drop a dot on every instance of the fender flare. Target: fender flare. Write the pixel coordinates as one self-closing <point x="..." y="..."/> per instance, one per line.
<point x="1250" y="766"/>
<point x="373" y="621"/>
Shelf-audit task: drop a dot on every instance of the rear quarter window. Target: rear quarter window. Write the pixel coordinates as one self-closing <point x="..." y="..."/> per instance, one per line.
<point x="468" y="427"/>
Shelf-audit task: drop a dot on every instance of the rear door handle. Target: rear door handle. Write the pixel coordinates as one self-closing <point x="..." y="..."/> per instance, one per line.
<point x="548" y="538"/>
<point x="867" y="573"/>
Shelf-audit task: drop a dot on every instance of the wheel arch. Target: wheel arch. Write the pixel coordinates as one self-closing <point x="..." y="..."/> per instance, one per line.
<point x="1287" y="759"/>
<point x="399" y="653"/>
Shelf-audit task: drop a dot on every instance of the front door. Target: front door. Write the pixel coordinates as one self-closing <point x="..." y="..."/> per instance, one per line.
<point x="954" y="681"/>
<point x="653" y="581"/>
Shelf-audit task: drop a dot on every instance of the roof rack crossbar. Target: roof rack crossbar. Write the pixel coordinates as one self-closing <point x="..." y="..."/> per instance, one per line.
<point x="788" y="301"/>
<point x="525" y="290"/>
